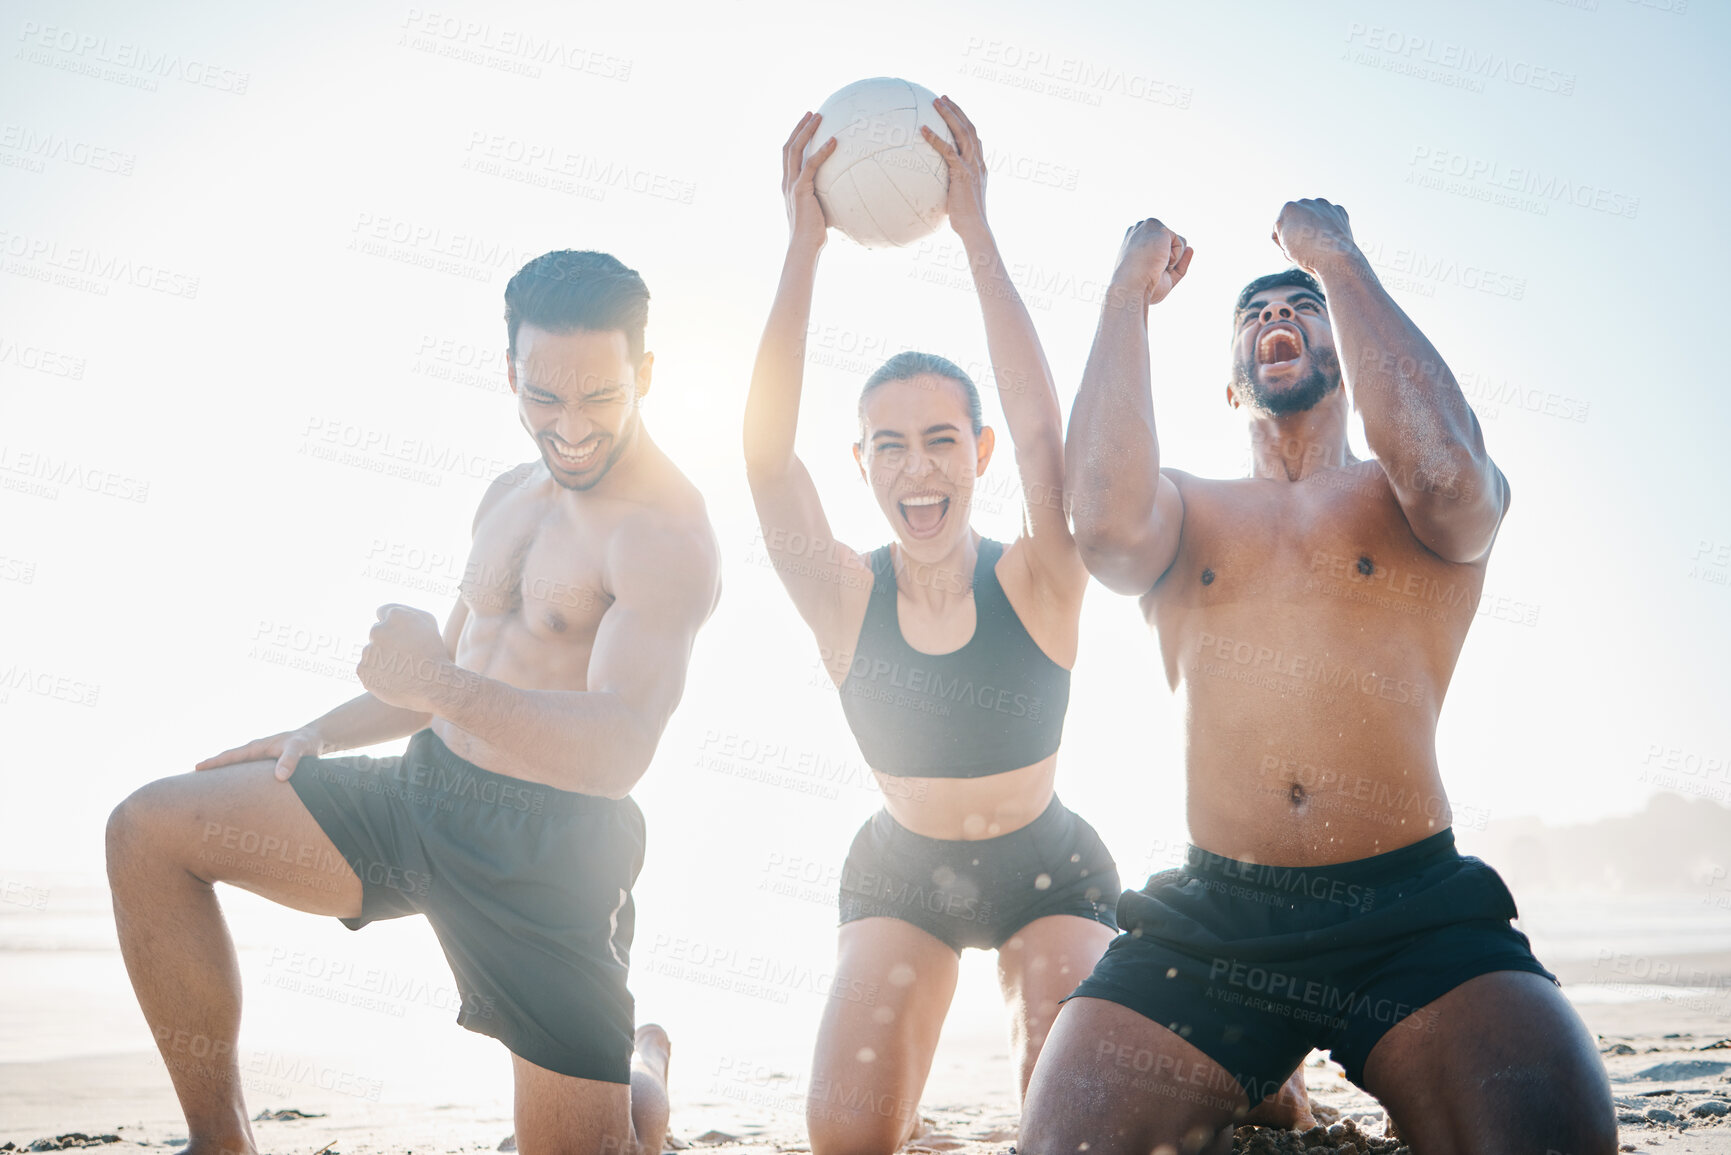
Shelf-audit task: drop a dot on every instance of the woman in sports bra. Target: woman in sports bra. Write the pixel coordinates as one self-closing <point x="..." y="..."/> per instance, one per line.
<point x="952" y="654"/>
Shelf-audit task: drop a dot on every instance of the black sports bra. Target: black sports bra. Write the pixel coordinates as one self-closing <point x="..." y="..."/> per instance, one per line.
<point x="996" y="704"/>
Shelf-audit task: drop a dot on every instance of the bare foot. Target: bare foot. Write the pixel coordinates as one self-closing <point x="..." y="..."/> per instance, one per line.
<point x="652" y="1049"/>
<point x="242" y="1146"/>
<point x="1288" y="1107"/>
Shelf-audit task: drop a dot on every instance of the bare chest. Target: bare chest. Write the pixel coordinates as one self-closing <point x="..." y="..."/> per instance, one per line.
<point x="1320" y="568"/>
<point x="537" y="569"/>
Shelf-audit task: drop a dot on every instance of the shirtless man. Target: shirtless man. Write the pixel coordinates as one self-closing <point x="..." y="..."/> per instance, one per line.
<point x="1312" y="613"/>
<point x="507" y="820"/>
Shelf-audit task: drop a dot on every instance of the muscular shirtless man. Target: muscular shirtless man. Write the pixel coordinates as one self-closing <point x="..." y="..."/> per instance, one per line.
<point x="1312" y="613"/>
<point x="507" y="820"/>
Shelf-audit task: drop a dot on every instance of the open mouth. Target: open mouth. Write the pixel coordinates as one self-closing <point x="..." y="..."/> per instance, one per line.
<point x="573" y="457"/>
<point x="923" y="513"/>
<point x="1279" y="344"/>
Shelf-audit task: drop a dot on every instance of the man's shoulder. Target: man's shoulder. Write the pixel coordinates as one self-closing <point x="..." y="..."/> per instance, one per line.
<point x="668" y="538"/>
<point x="1189" y="483"/>
<point x="517" y="478"/>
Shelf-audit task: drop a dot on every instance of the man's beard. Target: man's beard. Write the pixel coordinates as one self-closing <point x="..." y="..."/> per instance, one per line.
<point x="1303" y="394"/>
<point x="620" y="445"/>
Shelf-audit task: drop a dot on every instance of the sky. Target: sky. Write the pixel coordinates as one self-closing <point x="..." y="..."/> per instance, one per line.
<point x="252" y="387"/>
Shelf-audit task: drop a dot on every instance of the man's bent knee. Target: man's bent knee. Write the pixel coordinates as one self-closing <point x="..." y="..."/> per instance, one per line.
<point x="131" y="822"/>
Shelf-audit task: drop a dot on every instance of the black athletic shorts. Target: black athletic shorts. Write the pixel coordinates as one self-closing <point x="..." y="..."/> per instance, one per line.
<point x="1255" y="965"/>
<point x="979" y="893"/>
<point x="528" y="888"/>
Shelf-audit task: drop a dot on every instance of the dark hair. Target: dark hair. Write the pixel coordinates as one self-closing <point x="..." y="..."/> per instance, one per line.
<point x="1294" y="277"/>
<point x="568" y="290"/>
<point x="912" y="364"/>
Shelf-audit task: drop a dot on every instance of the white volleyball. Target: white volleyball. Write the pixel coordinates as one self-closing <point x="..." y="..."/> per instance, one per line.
<point x="884" y="185"/>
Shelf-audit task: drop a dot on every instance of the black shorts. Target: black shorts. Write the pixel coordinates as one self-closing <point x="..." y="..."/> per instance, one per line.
<point x="979" y="893"/>
<point x="528" y="888"/>
<point x="1255" y="965"/>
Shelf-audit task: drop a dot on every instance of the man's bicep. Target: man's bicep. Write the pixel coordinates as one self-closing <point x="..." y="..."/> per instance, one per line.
<point x="644" y="641"/>
<point x="1456" y="518"/>
<point x="1131" y="562"/>
<point x="641" y="657"/>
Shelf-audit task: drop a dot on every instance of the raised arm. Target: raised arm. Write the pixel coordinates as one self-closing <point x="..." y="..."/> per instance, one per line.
<point x="1127" y="515"/>
<point x="796" y="532"/>
<point x="1416" y="420"/>
<point x="1024" y="380"/>
<point x="594" y="741"/>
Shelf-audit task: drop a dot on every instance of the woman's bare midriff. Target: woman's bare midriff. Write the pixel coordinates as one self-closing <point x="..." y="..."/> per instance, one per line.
<point x="970" y="809"/>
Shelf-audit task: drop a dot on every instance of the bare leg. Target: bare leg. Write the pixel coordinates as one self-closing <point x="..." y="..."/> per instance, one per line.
<point x="892" y="987"/>
<point x="1499" y="1064"/>
<point x="167" y="844"/>
<point x="1037" y="969"/>
<point x="559" y="1115"/>
<point x="1288" y="1107"/>
<point x="1111" y="1082"/>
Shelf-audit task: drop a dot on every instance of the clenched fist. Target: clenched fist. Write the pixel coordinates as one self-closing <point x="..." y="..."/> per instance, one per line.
<point x="405" y="659"/>
<point x="1151" y="262"/>
<point x="1313" y="233"/>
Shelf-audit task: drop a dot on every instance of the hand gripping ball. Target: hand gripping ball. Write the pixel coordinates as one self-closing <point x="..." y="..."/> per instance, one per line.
<point x="884" y="185"/>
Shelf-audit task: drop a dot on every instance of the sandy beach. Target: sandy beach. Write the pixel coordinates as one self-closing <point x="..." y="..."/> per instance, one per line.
<point x="1669" y="1059"/>
<point x="348" y="1045"/>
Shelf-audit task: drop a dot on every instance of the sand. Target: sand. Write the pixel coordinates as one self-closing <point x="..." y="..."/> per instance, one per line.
<point x="1669" y="1064"/>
